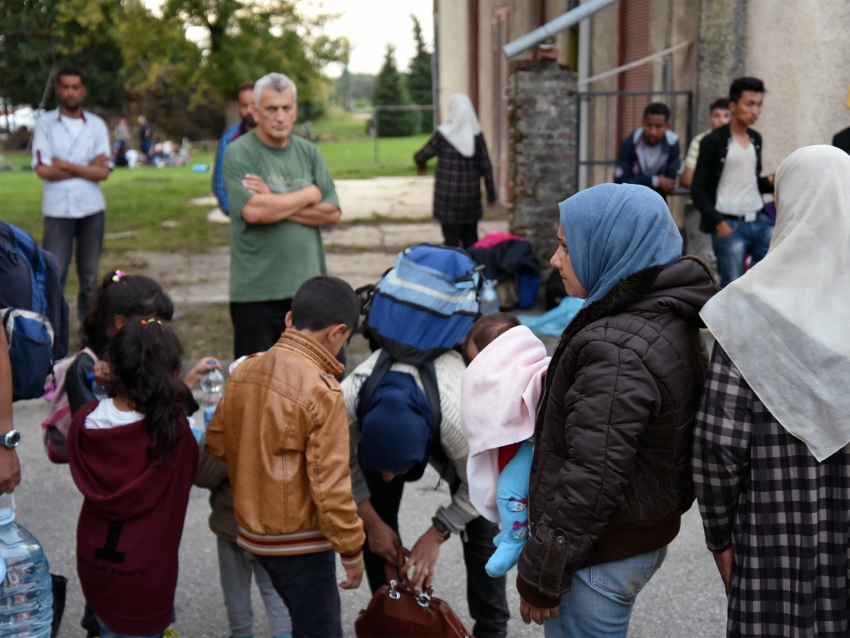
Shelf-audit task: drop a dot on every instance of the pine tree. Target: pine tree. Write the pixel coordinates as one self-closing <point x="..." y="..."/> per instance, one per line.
<point x="419" y="74"/>
<point x="419" y="78"/>
<point x="389" y="90"/>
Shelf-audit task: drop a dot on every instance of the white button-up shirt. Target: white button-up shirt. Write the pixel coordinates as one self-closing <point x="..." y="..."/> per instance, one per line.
<point x="54" y="137"/>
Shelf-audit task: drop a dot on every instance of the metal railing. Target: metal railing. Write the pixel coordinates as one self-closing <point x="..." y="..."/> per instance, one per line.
<point x="604" y="118"/>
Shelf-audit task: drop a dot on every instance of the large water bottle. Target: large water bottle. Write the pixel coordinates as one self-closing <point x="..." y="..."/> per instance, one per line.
<point x="488" y="300"/>
<point x="26" y="589"/>
<point x="212" y="383"/>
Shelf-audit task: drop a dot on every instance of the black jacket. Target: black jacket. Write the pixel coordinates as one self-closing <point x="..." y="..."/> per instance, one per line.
<point x="628" y="170"/>
<point x="842" y="140"/>
<point x="712" y="158"/>
<point x="611" y="473"/>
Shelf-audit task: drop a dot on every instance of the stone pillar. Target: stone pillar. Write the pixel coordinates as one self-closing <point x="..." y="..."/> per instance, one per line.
<point x="542" y="149"/>
<point x="722" y="51"/>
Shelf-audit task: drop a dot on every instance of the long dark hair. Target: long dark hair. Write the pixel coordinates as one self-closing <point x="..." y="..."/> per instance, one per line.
<point x="127" y="296"/>
<point x="145" y="358"/>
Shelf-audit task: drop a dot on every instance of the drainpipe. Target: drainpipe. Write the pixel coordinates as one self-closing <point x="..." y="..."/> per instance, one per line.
<point x="584" y="34"/>
<point x="533" y="38"/>
<point x="435" y="67"/>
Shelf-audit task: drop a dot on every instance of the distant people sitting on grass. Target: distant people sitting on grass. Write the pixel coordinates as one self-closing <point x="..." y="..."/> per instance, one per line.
<point x="120" y="135"/>
<point x="70" y="153"/>
<point x="649" y="156"/>
<point x="247" y="111"/>
<point x="462" y="160"/>
<point x="279" y="193"/>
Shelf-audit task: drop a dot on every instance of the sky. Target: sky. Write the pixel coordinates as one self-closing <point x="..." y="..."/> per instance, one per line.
<point x="368" y="24"/>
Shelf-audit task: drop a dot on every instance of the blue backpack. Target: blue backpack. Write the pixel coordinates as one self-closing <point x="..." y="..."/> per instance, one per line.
<point x="423" y="307"/>
<point x="33" y="311"/>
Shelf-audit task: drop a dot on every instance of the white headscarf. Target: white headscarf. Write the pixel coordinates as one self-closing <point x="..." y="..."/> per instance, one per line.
<point x="786" y="323"/>
<point x="463" y="125"/>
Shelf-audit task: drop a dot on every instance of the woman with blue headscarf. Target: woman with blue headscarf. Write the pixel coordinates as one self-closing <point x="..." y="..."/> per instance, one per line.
<point x="612" y="446"/>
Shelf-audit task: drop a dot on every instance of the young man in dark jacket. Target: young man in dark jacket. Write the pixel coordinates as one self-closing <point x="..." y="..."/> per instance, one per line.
<point x="727" y="185"/>
<point x="650" y="155"/>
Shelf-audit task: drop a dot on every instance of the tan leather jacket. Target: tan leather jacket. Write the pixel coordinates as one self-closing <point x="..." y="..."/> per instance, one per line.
<point x="282" y="430"/>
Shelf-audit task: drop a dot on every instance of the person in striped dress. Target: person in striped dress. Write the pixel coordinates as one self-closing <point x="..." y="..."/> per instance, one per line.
<point x="771" y="462"/>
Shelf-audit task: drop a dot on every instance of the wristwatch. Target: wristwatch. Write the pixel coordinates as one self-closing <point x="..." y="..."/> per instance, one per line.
<point x="444" y="531"/>
<point x="11" y="439"/>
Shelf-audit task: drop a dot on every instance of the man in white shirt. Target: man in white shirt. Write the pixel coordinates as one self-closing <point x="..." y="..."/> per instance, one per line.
<point x="70" y="153"/>
<point x="727" y="184"/>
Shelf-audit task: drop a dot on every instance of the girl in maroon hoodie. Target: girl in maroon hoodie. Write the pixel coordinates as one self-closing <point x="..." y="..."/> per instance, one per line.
<point x="134" y="459"/>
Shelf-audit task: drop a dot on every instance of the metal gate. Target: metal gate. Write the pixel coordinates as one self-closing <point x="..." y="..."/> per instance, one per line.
<point x="604" y="118"/>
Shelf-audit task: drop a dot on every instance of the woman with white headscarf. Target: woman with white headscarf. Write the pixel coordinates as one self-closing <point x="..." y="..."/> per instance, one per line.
<point x="771" y="459"/>
<point x="462" y="161"/>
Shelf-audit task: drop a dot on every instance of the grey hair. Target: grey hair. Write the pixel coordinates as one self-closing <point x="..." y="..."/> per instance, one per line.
<point x="276" y="82"/>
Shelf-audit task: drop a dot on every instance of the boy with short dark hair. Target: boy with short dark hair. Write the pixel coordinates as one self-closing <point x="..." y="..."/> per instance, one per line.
<point x="650" y="155"/>
<point x="727" y="184"/>
<point x="281" y="428"/>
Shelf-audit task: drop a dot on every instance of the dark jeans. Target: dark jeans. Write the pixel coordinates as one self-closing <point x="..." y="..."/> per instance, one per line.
<point x="485" y="596"/>
<point x="257" y="325"/>
<point x="307" y="584"/>
<point x="59" y="236"/>
<point x="457" y="234"/>
<point x="753" y="239"/>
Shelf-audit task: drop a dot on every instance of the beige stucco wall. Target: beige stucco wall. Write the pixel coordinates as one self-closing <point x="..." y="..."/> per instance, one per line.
<point x="801" y="49"/>
<point x="453" y="55"/>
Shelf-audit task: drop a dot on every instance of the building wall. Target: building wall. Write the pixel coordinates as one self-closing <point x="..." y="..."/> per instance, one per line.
<point x="801" y="50"/>
<point x="452" y="51"/>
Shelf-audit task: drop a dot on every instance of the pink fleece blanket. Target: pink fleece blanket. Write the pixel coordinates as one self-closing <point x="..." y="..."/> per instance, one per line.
<point x="499" y="395"/>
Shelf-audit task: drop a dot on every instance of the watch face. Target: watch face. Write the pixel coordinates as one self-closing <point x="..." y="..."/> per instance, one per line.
<point x="12" y="439"/>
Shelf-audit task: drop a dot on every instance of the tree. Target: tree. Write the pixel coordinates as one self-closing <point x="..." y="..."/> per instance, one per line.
<point x="389" y="90"/>
<point x="249" y="38"/>
<point x="419" y="78"/>
<point x="39" y="35"/>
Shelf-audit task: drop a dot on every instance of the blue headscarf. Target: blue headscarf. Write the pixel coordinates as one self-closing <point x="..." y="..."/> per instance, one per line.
<point x="615" y="230"/>
<point x="395" y="434"/>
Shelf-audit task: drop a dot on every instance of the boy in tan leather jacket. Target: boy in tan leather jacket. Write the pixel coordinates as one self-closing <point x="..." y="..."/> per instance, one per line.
<point x="281" y="428"/>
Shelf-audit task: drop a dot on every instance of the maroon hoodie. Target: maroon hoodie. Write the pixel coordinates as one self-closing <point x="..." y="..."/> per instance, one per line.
<point x="131" y="522"/>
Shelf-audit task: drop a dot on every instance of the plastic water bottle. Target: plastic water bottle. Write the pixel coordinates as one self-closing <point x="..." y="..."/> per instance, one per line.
<point x="212" y="383"/>
<point x="96" y="388"/>
<point x="488" y="300"/>
<point x="26" y="589"/>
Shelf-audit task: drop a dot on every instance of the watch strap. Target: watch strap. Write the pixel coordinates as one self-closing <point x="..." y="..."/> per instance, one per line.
<point x="441" y="527"/>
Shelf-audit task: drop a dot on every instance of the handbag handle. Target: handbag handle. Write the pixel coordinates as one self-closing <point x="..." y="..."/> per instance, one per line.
<point x="397" y="579"/>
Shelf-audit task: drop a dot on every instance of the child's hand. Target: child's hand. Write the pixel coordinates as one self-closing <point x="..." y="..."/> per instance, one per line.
<point x="354" y="576"/>
<point x="200" y="369"/>
<point x="102" y="373"/>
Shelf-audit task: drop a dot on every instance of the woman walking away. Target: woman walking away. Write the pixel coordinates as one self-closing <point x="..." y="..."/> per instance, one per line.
<point x="134" y="458"/>
<point x="610" y="477"/>
<point x="771" y="458"/>
<point x="462" y="161"/>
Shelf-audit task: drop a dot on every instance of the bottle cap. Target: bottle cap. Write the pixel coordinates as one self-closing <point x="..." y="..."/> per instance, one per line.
<point x="7" y="515"/>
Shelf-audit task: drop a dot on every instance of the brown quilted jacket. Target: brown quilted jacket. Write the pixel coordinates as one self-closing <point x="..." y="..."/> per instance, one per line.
<point x="612" y="446"/>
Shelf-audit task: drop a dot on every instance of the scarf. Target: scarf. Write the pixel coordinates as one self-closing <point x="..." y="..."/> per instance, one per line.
<point x="616" y="230"/>
<point x="786" y="323"/>
<point x="463" y="125"/>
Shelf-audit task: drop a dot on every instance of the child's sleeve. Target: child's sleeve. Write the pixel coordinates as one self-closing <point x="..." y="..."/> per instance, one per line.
<point x="215" y="430"/>
<point x="327" y="453"/>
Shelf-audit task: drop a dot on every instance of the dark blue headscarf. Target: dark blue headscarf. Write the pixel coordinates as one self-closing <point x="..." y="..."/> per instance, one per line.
<point x="395" y="434"/>
<point x="615" y="230"/>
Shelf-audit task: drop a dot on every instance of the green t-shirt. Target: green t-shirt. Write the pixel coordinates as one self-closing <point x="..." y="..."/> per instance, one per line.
<point x="270" y="261"/>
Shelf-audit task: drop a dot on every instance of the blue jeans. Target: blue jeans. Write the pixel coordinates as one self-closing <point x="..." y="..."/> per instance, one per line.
<point x="753" y="238"/>
<point x="106" y="632"/>
<point x="600" y="603"/>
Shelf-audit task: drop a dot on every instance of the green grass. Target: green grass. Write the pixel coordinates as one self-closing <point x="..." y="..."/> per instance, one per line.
<point x="140" y="200"/>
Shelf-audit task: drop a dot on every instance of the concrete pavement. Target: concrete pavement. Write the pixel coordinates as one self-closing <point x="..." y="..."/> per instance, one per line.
<point x="684" y="599"/>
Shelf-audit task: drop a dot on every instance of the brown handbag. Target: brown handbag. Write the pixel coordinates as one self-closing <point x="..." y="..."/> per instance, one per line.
<point x="397" y="611"/>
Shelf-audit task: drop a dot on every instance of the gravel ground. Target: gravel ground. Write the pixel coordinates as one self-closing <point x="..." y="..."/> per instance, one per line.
<point x="684" y="599"/>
